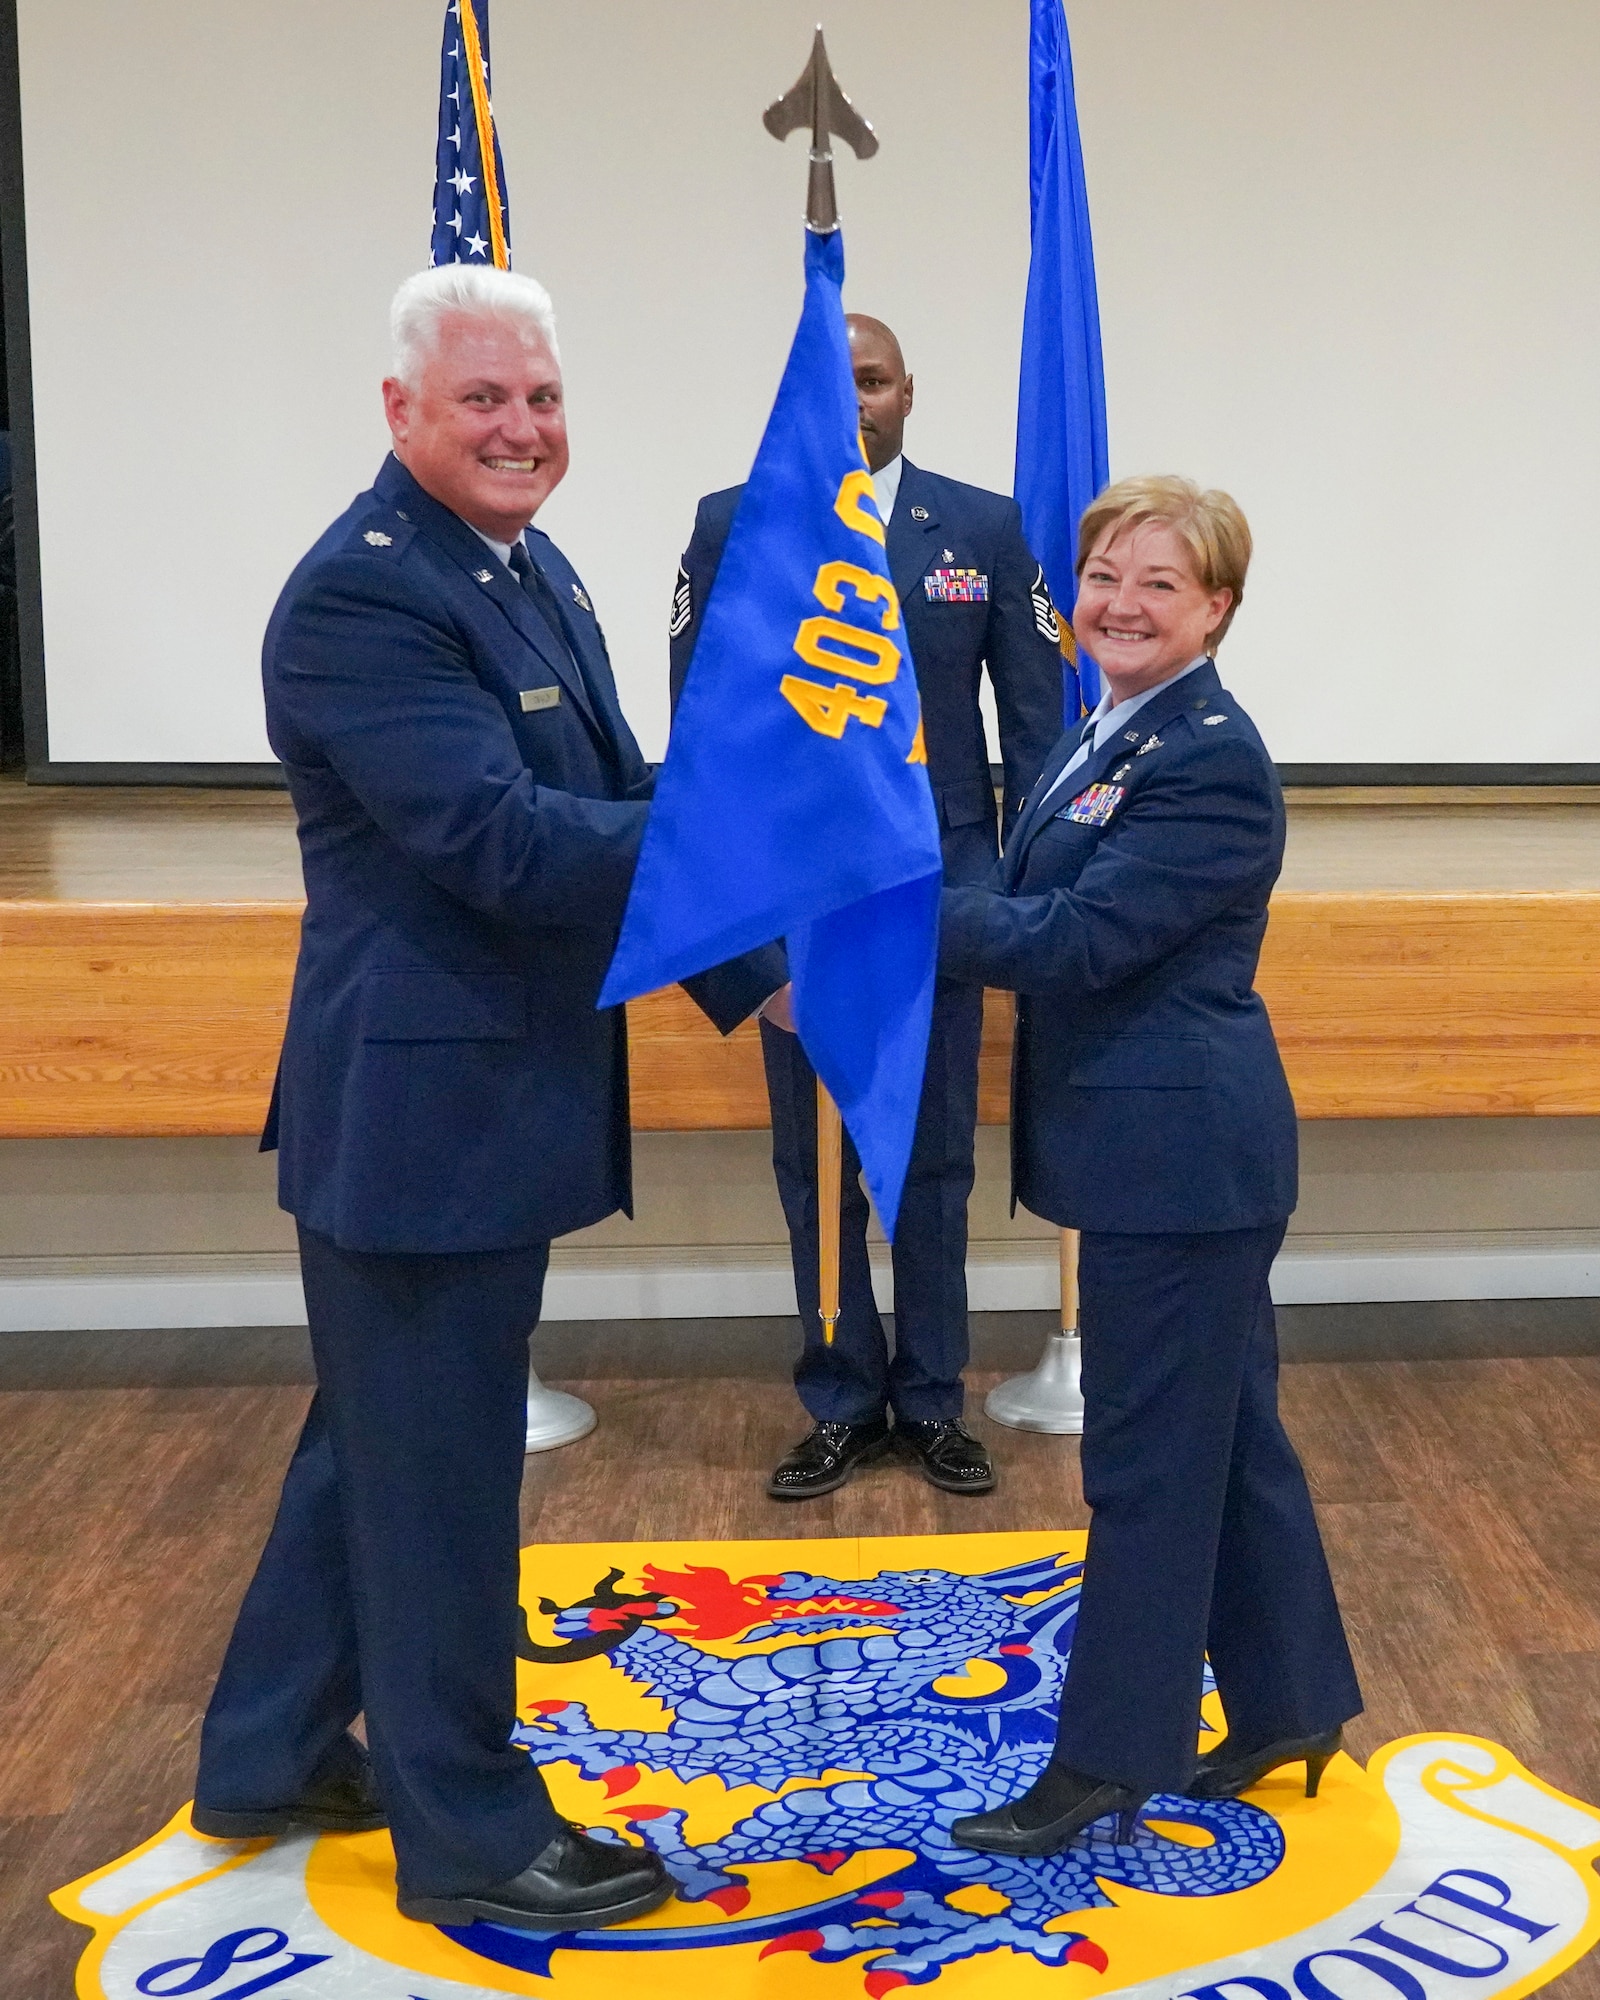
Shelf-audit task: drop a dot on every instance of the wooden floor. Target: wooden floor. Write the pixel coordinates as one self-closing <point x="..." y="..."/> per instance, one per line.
<point x="1460" y="1501"/>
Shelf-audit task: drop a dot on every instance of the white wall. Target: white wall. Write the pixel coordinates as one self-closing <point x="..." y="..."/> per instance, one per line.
<point x="1346" y="262"/>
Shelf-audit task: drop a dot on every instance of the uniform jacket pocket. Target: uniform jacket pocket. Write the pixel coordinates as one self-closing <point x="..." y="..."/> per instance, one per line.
<point x="968" y="804"/>
<point x="1144" y="1062"/>
<point x="443" y="1007"/>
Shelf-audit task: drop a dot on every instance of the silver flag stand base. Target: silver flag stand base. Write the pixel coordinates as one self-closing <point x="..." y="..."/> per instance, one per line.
<point x="554" y="1417"/>
<point x="1047" y="1400"/>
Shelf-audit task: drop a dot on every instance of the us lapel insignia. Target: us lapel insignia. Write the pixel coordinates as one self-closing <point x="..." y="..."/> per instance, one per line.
<point x="483" y="576"/>
<point x="378" y="539"/>
<point x="580" y="597"/>
<point x="1149" y="743"/>
<point x="1093" y="807"/>
<point x="919" y="513"/>
<point x="1130" y="736"/>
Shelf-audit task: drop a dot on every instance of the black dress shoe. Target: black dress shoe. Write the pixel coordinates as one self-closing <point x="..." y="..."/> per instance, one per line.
<point x="825" y="1458"/>
<point x="341" y="1798"/>
<point x="1050" y="1815"/>
<point x="947" y="1455"/>
<point x="576" y="1883"/>
<point x="1224" y="1772"/>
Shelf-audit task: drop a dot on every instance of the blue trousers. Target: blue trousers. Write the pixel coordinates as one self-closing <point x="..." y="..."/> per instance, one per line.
<point x="388" y="1585"/>
<point x="1203" y="1539"/>
<point x="855" y="1381"/>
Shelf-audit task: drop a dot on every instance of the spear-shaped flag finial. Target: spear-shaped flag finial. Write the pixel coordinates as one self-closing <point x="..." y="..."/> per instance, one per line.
<point x="816" y="100"/>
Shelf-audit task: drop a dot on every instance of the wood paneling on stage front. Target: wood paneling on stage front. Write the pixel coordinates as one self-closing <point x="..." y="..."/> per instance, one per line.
<point x="141" y="1019"/>
<point x="165" y="1018"/>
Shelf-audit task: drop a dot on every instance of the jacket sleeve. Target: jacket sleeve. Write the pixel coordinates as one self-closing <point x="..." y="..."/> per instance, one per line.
<point x="369" y="676"/>
<point x="731" y="993"/>
<point x="697" y="572"/>
<point x="1199" y="836"/>
<point x="1023" y="651"/>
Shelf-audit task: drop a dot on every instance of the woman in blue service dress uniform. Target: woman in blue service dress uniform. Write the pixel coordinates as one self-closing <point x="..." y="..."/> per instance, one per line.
<point x="1151" y="1112"/>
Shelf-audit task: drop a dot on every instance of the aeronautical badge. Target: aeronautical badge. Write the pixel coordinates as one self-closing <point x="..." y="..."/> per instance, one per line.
<point x="1211" y="721"/>
<point x="682" y="606"/>
<point x="580" y="597"/>
<point x="1044" y="612"/>
<point x="1149" y="743"/>
<point x="378" y="539"/>
<point x="956" y="586"/>
<point x="1093" y="807"/>
<point x="791" y="1743"/>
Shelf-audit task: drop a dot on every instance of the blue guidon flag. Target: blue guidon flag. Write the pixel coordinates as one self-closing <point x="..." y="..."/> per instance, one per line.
<point x="794" y="800"/>
<point x="470" y="221"/>
<point x="1061" y="408"/>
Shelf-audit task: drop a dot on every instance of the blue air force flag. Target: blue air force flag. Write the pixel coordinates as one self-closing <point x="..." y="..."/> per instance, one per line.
<point x="1061" y="408"/>
<point x="470" y="221"/>
<point x="794" y="800"/>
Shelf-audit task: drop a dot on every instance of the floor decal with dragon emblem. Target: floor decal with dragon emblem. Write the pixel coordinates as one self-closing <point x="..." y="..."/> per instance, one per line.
<point x="793" y="1726"/>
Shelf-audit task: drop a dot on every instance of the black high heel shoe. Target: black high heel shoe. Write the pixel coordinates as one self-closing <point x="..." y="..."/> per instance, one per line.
<point x="1223" y="1773"/>
<point x="1050" y="1815"/>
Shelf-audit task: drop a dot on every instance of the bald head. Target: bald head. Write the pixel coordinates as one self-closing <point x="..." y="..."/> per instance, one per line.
<point x="883" y="388"/>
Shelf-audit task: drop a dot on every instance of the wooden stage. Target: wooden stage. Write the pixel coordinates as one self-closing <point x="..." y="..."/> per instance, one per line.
<point x="1431" y="954"/>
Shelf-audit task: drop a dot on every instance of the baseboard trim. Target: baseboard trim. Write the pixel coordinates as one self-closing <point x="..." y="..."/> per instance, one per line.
<point x="112" y="1301"/>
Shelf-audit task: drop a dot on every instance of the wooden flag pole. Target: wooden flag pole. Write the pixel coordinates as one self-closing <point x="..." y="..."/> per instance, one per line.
<point x="829" y="1191"/>
<point x="1069" y="1281"/>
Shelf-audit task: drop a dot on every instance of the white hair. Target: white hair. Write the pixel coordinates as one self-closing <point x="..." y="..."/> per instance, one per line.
<point x="483" y="290"/>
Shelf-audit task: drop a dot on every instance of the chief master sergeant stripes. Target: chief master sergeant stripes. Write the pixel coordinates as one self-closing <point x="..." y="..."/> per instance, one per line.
<point x="971" y="595"/>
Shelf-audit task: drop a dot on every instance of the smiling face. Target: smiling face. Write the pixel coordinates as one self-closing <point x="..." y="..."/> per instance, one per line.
<point x="483" y="429"/>
<point x="1142" y="612"/>
<point x="883" y="389"/>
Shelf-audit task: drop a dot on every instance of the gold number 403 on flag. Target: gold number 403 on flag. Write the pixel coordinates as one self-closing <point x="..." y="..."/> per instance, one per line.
<point x="840" y="648"/>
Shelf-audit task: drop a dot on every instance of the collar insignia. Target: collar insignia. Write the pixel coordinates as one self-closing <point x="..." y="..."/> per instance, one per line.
<point x="580" y="597"/>
<point x="483" y="576"/>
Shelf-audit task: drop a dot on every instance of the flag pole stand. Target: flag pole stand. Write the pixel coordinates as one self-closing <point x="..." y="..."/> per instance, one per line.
<point x="830" y="1177"/>
<point x="554" y="1417"/>
<point x="1050" y="1399"/>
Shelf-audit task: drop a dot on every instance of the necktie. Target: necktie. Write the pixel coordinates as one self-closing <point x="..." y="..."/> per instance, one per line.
<point x="537" y="587"/>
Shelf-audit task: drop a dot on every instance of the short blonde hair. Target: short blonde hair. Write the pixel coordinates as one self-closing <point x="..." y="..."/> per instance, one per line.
<point x="1210" y="525"/>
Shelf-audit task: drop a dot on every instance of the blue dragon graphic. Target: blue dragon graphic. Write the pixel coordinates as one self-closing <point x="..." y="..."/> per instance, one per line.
<point x="890" y="1706"/>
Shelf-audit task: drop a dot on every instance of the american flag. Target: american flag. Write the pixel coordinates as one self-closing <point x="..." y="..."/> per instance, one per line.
<point x="470" y="221"/>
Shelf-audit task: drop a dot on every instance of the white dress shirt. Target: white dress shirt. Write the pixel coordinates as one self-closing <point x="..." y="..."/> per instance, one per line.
<point x="1108" y="720"/>
<point x="501" y="549"/>
<point x="885" y="486"/>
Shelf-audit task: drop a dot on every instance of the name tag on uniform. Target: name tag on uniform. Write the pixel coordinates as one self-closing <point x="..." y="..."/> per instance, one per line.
<point x="533" y="699"/>
<point x="1095" y="806"/>
<point x="956" y="586"/>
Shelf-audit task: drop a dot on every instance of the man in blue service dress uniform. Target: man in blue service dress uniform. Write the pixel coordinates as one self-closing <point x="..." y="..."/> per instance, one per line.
<point x="470" y="803"/>
<point x="971" y="595"/>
